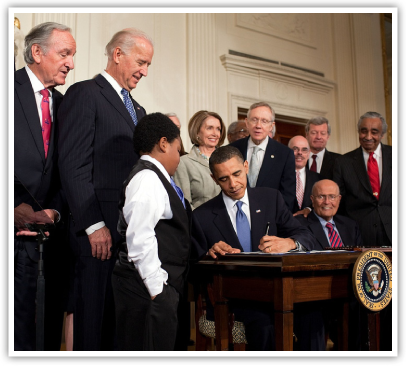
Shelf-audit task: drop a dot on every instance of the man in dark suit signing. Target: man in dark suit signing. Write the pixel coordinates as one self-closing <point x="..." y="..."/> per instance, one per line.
<point x="49" y="51"/>
<point x="96" y="154"/>
<point x="248" y="220"/>
<point x="304" y="177"/>
<point x="271" y="164"/>
<point x="318" y="131"/>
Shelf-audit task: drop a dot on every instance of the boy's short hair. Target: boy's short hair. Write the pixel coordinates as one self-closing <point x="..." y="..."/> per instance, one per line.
<point x="150" y="129"/>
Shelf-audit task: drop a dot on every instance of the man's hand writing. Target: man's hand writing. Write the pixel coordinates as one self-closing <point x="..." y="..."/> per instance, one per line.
<point x="273" y="244"/>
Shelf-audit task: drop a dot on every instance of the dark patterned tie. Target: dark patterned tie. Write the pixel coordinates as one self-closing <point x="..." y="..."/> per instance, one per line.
<point x="335" y="240"/>
<point x="373" y="173"/>
<point x="314" y="164"/>
<point x="129" y="105"/>
<point x="243" y="228"/>
<point x="46" y="119"/>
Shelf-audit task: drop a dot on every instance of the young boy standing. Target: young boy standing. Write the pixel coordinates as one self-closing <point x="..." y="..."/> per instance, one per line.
<point x="154" y="224"/>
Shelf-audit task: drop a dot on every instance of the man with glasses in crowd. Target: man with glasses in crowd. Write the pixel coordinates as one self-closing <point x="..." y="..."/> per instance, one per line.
<point x="271" y="164"/>
<point x="304" y="177"/>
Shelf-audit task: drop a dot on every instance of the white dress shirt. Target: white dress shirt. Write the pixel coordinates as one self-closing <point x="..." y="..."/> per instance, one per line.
<point x="377" y="157"/>
<point x="319" y="160"/>
<point x="146" y="202"/>
<point x="37" y="86"/>
<point x="260" y="153"/>
<point x="231" y="206"/>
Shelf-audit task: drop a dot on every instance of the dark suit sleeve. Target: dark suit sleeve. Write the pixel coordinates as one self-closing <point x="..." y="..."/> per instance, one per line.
<point x="338" y="178"/>
<point x="287" y="185"/>
<point x="200" y="245"/>
<point x="77" y="124"/>
<point x="289" y="227"/>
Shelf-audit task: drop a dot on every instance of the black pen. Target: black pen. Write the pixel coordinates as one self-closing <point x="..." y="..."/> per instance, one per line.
<point x="267" y="228"/>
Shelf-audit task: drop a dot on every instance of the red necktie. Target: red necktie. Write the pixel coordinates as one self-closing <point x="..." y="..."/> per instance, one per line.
<point x="335" y="240"/>
<point x="314" y="164"/>
<point x="373" y="173"/>
<point x="46" y="119"/>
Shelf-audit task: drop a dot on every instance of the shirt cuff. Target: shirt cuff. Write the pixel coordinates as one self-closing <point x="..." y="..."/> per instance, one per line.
<point x="93" y="228"/>
<point x="155" y="282"/>
<point x="59" y="216"/>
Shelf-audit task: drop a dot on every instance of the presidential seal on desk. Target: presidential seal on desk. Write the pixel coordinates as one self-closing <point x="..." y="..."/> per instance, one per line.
<point x="372" y="280"/>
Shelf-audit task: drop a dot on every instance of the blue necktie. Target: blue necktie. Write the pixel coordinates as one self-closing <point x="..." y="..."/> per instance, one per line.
<point x="129" y="105"/>
<point x="179" y="192"/>
<point x="243" y="228"/>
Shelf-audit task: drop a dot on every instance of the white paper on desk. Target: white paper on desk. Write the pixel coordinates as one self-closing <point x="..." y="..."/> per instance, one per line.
<point x="330" y="251"/>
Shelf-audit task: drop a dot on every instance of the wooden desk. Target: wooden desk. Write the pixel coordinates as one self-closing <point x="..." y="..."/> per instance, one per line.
<point x="282" y="280"/>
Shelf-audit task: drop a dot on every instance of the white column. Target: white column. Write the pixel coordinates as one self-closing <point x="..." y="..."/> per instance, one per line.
<point x="202" y="63"/>
<point x="344" y="132"/>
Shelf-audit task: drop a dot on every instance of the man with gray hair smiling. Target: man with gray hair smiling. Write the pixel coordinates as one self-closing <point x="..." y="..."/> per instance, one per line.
<point x="98" y="117"/>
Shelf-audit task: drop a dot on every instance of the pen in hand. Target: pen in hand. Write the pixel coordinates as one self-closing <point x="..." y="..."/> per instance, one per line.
<point x="267" y="228"/>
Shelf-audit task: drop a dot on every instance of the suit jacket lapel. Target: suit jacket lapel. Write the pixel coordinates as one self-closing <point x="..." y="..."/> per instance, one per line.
<point x="360" y="169"/>
<point x="26" y="96"/>
<point x="137" y="108"/>
<point x="52" y="141"/>
<point x="267" y="163"/>
<point x="223" y="223"/>
<point x="111" y="96"/>
<point x="342" y="229"/>
<point x="317" y="230"/>
<point x="308" y="186"/>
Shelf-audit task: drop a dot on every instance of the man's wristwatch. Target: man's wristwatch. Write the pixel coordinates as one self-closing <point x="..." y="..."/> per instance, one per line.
<point x="299" y="247"/>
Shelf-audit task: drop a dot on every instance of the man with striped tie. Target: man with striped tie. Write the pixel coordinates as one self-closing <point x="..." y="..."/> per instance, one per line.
<point x="330" y="229"/>
<point x="335" y="231"/>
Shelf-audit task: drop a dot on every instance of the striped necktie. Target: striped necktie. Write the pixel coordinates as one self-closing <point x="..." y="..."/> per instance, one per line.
<point x="299" y="190"/>
<point x="335" y="240"/>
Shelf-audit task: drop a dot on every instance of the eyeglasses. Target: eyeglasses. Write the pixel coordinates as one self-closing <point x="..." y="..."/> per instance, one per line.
<point x="255" y="121"/>
<point x="297" y="149"/>
<point x="322" y="197"/>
